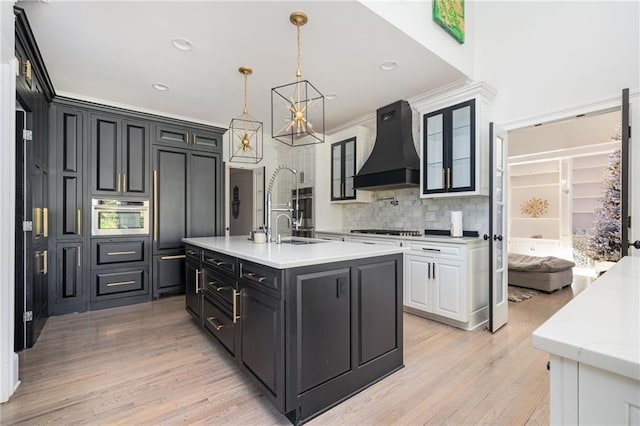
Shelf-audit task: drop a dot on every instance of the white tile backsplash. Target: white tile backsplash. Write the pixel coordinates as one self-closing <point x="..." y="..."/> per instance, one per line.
<point x="411" y="211"/>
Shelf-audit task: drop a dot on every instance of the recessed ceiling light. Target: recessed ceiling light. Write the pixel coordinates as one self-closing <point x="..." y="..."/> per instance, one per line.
<point x="389" y="65"/>
<point x="330" y="96"/>
<point x="182" y="44"/>
<point x="160" y="86"/>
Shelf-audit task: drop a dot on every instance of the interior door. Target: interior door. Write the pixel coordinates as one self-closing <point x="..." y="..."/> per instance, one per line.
<point x="624" y="168"/>
<point x="498" y="280"/>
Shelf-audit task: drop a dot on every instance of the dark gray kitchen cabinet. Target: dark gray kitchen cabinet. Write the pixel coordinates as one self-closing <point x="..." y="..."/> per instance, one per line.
<point x="188" y="137"/>
<point x="193" y="296"/>
<point x="449" y="158"/>
<point x="119" y="156"/>
<point x="187" y="201"/>
<point x="69" y="293"/>
<point x="343" y="170"/>
<point x="168" y="274"/>
<point x="324" y="304"/>
<point x="69" y="133"/>
<point x="262" y="340"/>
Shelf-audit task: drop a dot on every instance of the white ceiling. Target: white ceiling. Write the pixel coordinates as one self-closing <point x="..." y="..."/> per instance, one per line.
<point x="114" y="51"/>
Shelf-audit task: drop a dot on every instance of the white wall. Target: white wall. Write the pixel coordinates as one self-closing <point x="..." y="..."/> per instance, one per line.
<point x="551" y="56"/>
<point x="8" y="359"/>
<point x="414" y="18"/>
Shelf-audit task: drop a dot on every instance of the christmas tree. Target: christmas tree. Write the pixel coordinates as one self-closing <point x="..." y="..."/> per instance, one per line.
<point x="604" y="239"/>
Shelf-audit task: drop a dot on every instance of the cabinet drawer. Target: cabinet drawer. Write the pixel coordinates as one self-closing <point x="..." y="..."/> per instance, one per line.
<point x="119" y="282"/>
<point x="449" y="251"/>
<point x="220" y="285"/>
<point x="171" y="135"/>
<point x="194" y="253"/>
<point x="260" y="275"/>
<point x="108" y="252"/>
<point x="220" y="262"/>
<point x="219" y="323"/>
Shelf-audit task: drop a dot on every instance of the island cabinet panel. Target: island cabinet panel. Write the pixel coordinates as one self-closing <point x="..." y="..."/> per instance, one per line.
<point x="262" y="340"/>
<point x="324" y="318"/>
<point x="168" y="273"/>
<point x="170" y="198"/>
<point x="219" y="322"/>
<point x="379" y="326"/>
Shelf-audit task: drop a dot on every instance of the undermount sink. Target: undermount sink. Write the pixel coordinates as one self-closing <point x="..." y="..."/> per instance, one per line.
<point x="300" y="241"/>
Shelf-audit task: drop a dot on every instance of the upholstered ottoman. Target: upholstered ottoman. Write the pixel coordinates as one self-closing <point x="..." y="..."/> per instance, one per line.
<point x="547" y="273"/>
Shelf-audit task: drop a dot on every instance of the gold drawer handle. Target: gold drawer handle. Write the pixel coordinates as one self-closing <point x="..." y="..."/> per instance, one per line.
<point x="235" y="305"/>
<point x="214" y="322"/>
<point x="216" y="288"/>
<point x="79" y="219"/>
<point x="216" y="261"/>
<point x="191" y="252"/>
<point x="120" y="253"/>
<point x="117" y="283"/>
<point x="252" y="276"/>
<point x="177" y="256"/>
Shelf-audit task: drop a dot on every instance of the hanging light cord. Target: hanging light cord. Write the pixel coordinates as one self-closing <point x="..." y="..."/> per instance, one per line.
<point x="298" y="71"/>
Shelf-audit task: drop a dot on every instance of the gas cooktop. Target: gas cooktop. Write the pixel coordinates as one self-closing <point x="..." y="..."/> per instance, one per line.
<point x="398" y="232"/>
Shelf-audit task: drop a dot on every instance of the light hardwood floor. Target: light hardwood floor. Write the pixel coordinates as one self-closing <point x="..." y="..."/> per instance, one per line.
<point x="150" y="364"/>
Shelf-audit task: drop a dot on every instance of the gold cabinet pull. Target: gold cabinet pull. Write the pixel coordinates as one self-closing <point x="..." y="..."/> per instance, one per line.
<point x="252" y="276"/>
<point x="448" y="177"/>
<point x="187" y="141"/>
<point x="215" y="261"/>
<point x="197" y="281"/>
<point x="78" y="256"/>
<point x="45" y="222"/>
<point x="195" y="139"/>
<point x="118" y="183"/>
<point x="216" y="288"/>
<point x="155" y="205"/>
<point x="117" y="283"/>
<point x="235" y="305"/>
<point x="214" y="322"/>
<point x="79" y="221"/>
<point x="177" y="256"/>
<point x="124" y="182"/>
<point x="37" y="221"/>
<point x="120" y="253"/>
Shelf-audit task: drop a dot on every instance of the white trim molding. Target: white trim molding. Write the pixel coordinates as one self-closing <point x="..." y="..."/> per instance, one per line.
<point x="8" y="358"/>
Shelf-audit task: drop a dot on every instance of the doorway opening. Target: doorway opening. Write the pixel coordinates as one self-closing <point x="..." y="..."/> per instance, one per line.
<point x="240" y="212"/>
<point x="564" y="189"/>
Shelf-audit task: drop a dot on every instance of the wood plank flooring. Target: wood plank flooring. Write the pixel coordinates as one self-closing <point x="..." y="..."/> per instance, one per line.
<point x="150" y="364"/>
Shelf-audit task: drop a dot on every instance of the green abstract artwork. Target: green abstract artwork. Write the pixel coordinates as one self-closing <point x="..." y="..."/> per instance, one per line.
<point x="449" y="14"/>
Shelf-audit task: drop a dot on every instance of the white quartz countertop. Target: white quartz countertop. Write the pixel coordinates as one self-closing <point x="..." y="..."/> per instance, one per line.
<point x="600" y="326"/>
<point x="425" y="238"/>
<point x="282" y="256"/>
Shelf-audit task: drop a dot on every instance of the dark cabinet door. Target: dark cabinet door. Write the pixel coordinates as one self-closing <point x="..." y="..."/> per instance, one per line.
<point x="135" y="158"/>
<point x="105" y="148"/>
<point x="70" y="140"/>
<point x="171" y="135"/>
<point x="211" y="141"/>
<point x="170" y="198"/>
<point x="261" y="346"/>
<point x="449" y="149"/>
<point x="205" y="195"/>
<point x="69" y="291"/>
<point x="343" y="170"/>
<point x="168" y="274"/>
<point x="324" y="335"/>
<point x="192" y="287"/>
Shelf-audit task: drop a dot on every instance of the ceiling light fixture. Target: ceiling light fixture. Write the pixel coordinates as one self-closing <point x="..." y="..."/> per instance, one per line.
<point x="300" y="101"/>
<point x="182" y="44"/>
<point x="389" y="65"/>
<point x="330" y="96"/>
<point x="245" y="132"/>
<point x="160" y="86"/>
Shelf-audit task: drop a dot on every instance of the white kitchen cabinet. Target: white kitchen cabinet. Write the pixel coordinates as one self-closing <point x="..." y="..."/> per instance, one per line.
<point x="353" y="157"/>
<point x="418" y="286"/>
<point x="447" y="281"/>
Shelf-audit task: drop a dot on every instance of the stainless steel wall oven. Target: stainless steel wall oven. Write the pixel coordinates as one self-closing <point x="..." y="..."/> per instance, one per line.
<point x="119" y="217"/>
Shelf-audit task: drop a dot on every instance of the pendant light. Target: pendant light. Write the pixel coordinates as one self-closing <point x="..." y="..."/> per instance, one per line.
<point x="245" y="136"/>
<point x="297" y="109"/>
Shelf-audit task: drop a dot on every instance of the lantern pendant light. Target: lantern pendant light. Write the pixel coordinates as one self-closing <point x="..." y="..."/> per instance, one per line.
<point x="245" y="136"/>
<point x="297" y="109"/>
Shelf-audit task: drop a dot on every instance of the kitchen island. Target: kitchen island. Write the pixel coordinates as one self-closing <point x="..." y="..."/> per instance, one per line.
<point x="594" y="347"/>
<point x="311" y="322"/>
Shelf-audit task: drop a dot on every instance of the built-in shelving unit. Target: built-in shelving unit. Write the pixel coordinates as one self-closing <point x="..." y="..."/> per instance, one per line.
<point x="587" y="189"/>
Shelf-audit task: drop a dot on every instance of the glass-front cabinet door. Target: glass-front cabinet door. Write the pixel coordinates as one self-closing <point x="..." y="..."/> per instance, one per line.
<point x="343" y="170"/>
<point x="449" y="149"/>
